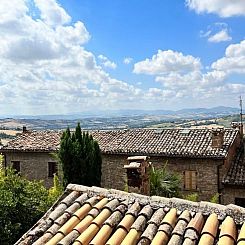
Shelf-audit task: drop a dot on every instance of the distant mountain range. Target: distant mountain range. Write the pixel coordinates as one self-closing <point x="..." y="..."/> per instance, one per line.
<point x="215" y="111"/>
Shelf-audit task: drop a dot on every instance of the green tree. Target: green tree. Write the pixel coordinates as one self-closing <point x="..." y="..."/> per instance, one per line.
<point x="164" y="183"/>
<point x="55" y="192"/>
<point x="22" y="203"/>
<point x="80" y="158"/>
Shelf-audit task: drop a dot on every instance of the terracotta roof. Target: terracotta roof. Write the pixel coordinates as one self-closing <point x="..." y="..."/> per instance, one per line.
<point x="35" y="141"/>
<point x="97" y="216"/>
<point x="164" y="142"/>
<point x="236" y="173"/>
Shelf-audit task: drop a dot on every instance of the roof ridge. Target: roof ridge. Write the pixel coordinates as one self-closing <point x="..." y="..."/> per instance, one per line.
<point x="206" y="208"/>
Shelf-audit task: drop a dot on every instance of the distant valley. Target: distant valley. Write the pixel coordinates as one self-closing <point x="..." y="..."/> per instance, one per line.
<point x="213" y="117"/>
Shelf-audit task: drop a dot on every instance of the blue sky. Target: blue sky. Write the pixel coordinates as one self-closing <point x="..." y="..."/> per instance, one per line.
<point x="61" y="56"/>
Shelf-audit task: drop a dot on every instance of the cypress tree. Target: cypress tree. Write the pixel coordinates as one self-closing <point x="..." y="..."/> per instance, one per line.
<point x="80" y="158"/>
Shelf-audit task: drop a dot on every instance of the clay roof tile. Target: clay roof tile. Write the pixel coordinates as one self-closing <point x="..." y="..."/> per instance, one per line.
<point x="170" y="142"/>
<point x="113" y="217"/>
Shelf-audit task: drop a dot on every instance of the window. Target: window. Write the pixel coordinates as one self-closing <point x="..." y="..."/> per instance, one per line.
<point x="240" y="201"/>
<point x="16" y="166"/>
<point x="52" y="169"/>
<point x="190" y="180"/>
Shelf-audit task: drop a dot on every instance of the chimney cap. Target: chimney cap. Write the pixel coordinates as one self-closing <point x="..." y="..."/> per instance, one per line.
<point x="132" y="165"/>
<point x="144" y="158"/>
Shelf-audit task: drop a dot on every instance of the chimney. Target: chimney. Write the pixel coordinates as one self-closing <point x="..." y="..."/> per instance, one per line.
<point x="217" y="137"/>
<point x="239" y="126"/>
<point x="138" y="174"/>
<point x="24" y="129"/>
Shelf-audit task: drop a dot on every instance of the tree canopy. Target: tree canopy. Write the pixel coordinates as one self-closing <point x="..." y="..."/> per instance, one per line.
<point x="80" y="158"/>
<point x="22" y="203"/>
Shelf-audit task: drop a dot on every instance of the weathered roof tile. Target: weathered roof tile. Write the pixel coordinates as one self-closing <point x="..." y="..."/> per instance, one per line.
<point x="169" y="142"/>
<point x="118" y="221"/>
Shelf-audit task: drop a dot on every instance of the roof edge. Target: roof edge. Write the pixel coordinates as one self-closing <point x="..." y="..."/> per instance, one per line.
<point x="206" y="208"/>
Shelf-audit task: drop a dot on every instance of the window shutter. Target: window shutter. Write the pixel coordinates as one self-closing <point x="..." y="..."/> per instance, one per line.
<point x="187" y="180"/>
<point x="194" y="180"/>
<point x="190" y="180"/>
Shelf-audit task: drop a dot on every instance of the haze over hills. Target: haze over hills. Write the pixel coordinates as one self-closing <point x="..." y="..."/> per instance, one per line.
<point x="122" y="119"/>
<point x="220" y="110"/>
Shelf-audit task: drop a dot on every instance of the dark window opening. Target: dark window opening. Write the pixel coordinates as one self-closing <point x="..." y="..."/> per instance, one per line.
<point x="134" y="178"/>
<point x="52" y="169"/>
<point x="240" y="202"/>
<point x="16" y="166"/>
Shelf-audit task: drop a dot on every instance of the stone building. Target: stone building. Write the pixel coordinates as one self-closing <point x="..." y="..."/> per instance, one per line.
<point x="204" y="158"/>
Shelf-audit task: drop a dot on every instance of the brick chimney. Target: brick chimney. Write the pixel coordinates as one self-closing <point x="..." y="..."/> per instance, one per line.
<point x="138" y="174"/>
<point x="218" y="137"/>
<point x="24" y="129"/>
<point x="239" y="126"/>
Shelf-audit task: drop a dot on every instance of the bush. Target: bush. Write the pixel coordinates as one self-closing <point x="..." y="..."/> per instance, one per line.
<point x="215" y="198"/>
<point x="164" y="183"/>
<point x="22" y="203"/>
<point x="192" y="197"/>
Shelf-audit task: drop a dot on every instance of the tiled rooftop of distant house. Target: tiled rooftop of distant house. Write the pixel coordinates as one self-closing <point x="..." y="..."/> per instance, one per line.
<point x="35" y="141"/>
<point x="236" y="174"/>
<point x="98" y="216"/>
<point x="162" y="142"/>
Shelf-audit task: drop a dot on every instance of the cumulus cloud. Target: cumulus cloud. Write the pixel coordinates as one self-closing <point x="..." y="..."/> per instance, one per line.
<point x="217" y="33"/>
<point x="44" y="67"/>
<point x="234" y="59"/>
<point x="220" y="36"/>
<point x="166" y="62"/>
<point x="52" y="13"/>
<point x="193" y="85"/>
<point x="127" y="60"/>
<point x="223" y="8"/>
<point x="106" y="62"/>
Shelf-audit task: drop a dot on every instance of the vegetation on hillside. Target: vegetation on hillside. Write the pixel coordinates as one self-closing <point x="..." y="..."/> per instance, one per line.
<point x="80" y="158"/>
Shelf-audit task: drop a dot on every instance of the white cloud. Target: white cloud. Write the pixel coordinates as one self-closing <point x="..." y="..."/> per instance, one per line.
<point x="52" y="13"/>
<point x="188" y="87"/>
<point x="220" y="36"/>
<point x="127" y="60"/>
<point x="106" y="62"/>
<point x="234" y="60"/>
<point x="45" y="69"/>
<point x="73" y="35"/>
<point x="166" y="62"/>
<point x="218" y="32"/>
<point x="223" y="8"/>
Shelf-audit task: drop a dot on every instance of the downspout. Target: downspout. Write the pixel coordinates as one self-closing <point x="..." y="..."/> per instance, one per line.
<point x="219" y="184"/>
<point x="5" y="160"/>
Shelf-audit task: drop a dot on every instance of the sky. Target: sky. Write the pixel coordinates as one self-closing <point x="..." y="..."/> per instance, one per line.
<point x="71" y="56"/>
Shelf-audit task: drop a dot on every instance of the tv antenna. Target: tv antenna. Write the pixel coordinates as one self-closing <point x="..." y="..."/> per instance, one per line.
<point x="241" y="109"/>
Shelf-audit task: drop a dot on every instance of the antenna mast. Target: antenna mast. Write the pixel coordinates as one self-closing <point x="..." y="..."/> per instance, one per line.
<point x="241" y="109"/>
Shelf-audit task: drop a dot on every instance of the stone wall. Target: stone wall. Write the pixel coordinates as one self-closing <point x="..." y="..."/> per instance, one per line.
<point x="33" y="165"/>
<point x="230" y="193"/>
<point x="114" y="176"/>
